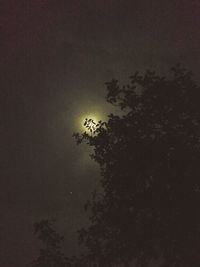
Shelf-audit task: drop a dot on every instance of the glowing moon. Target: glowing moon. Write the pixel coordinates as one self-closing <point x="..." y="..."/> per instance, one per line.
<point x="89" y="111"/>
<point x="95" y="118"/>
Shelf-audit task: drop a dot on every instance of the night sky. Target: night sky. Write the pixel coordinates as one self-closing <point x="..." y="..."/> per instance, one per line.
<point x="56" y="56"/>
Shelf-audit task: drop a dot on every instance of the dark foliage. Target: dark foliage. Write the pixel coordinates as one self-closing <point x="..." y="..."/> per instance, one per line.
<point x="51" y="254"/>
<point x="150" y="167"/>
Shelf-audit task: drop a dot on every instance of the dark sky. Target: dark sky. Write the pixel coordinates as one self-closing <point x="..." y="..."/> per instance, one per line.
<point x="55" y="57"/>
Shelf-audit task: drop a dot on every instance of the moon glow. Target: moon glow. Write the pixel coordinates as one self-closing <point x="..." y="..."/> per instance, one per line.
<point x="92" y="120"/>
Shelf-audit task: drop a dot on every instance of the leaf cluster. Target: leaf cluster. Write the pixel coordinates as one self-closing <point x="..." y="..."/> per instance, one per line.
<point x="51" y="254"/>
<point x="149" y="159"/>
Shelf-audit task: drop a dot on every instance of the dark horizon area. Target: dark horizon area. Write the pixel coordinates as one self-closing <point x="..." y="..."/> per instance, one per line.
<point x="55" y="59"/>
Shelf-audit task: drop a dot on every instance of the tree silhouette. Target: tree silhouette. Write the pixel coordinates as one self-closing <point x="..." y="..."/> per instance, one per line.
<point x="51" y="254"/>
<point x="150" y="172"/>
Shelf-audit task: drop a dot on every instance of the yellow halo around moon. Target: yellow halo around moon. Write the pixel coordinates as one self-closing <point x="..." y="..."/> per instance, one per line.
<point x="94" y="117"/>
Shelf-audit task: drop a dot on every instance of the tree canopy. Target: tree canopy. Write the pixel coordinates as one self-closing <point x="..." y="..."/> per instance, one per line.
<point x="150" y="172"/>
<point x="149" y="158"/>
<point x="51" y="254"/>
